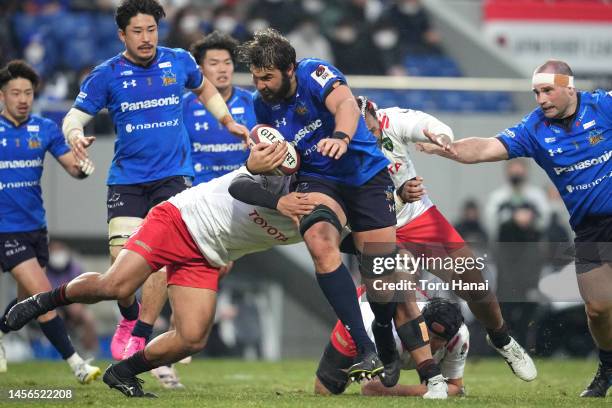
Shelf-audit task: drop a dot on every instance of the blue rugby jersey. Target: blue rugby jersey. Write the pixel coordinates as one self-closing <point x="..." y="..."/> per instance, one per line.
<point x="145" y="104"/>
<point x="577" y="159"/>
<point x="304" y="121"/>
<point x="214" y="150"/>
<point x="22" y="154"/>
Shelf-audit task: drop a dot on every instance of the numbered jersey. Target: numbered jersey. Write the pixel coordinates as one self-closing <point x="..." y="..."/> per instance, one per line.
<point x="214" y="150"/>
<point x="400" y="127"/>
<point x="226" y="229"/>
<point x="145" y="104"/>
<point x="304" y="120"/>
<point x="22" y="154"/>
<point x="576" y="156"/>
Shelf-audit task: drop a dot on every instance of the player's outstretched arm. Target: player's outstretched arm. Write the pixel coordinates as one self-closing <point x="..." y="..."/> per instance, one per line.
<point x="375" y="388"/>
<point x="73" y="129"/>
<point x="470" y="150"/>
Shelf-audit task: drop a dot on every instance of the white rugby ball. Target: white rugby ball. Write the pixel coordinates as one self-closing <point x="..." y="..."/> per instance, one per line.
<point x="269" y="134"/>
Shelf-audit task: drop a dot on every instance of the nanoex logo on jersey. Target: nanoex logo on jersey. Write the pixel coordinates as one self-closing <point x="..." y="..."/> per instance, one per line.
<point x="150" y="103"/>
<point x="154" y="125"/>
<point x="311" y="127"/>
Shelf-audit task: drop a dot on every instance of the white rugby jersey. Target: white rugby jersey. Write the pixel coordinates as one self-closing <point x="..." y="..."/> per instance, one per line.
<point x="400" y="127"/>
<point x="451" y="358"/>
<point x="226" y="229"/>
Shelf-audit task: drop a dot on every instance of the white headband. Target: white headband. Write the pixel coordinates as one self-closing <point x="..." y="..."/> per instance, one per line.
<point x="553" y="79"/>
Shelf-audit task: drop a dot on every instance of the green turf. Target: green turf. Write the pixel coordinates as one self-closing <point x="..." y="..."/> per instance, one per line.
<point x="223" y="383"/>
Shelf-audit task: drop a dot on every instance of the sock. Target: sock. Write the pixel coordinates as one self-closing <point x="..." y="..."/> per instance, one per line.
<point x="605" y="356"/>
<point x="3" y="327"/>
<point x="133" y="366"/>
<point x="130" y="312"/>
<point x="142" y="329"/>
<point x="55" y="331"/>
<point x="383" y="312"/>
<point x="500" y="337"/>
<point x="74" y="361"/>
<point x="55" y="298"/>
<point x="339" y="289"/>
<point x="428" y="369"/>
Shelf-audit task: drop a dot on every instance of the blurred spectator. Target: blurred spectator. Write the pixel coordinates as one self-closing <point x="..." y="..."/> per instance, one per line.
<point x="412" y="22"/>
<point x="227" y="21"/>
<point x="362" y="12"/>
<point x="353" y="50"/>
<point x="309" y="42"/>
<point x="186" y="28"/>
<point x="469" y="225"/>
<point x="280" y="14"/>
<point x="385" y="38"/>
<point x="61" y="269"/>
<point x="516" y="193"/>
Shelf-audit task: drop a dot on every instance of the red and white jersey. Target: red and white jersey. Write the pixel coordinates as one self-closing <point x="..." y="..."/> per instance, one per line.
<point x="400" y="127"/>
<point x="226" y="229"/>
<point x="451" y="358"/>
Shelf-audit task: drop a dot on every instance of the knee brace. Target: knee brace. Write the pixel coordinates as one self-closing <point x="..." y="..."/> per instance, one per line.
<point x="120" y="229"/>
<point x="376" y="266"/>
<point x="414" y="334"/>
<point x="321" y="213"/>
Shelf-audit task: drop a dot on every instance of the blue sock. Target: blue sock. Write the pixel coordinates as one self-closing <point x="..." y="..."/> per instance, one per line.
<point x="142" y="329"/>
<point x="605" y="356"/>
<point x="55" y="331"/>
<point x="339" y="289"/>
<point x="3" y="326"/>
<point x="130" y="312"/>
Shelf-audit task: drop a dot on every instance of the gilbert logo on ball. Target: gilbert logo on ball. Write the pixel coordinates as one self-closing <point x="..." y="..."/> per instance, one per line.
<point x="269" y="134"/>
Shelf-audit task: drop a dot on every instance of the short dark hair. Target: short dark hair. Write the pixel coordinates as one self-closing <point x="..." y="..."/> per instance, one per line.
<point x="366" y="105"/>
<point x="130" y="8"/>
<point x="557" y="66"/>
<point x="268" y="49"/>
<point x="214" y="41"/>
<point x="18" y="69"/>
<point x="442" y="317"/>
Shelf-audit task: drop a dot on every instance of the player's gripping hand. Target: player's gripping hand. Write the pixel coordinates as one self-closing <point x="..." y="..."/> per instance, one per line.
<point x="79" y="145"/>
<point x="265" y="157"/>
<point x="294" y="205"/>
<point x="412" y="190"/>
<point x="439" y="144"/>
<point x="86" y="167"/>
<point x="239" y="130"/>
<point x="332" y="147"/>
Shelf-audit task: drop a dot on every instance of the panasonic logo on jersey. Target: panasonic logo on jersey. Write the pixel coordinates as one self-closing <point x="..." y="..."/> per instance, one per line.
<point x="219" y="147"/>
<point x="150" y="103"/>
<point x="155" y="125"/>
<point x="585" y="164"/>
<point x="311" y="127"/>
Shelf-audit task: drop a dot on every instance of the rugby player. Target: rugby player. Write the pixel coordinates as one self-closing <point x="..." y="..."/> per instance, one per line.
<point x="24" y="141"/>
<point x="569" y="135"/>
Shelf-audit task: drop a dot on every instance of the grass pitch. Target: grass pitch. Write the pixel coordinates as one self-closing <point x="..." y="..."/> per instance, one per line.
<point x="231" y="383"/>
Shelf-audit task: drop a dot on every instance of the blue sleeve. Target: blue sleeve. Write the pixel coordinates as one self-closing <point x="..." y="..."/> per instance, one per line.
<point x="604" y="102"/>
<point x="57" y="144"/>
<point x="192" y="71"/>
<point x="261" y="114"/>
<point x="93" y="96"/>
<point x="250" y="116"/>
<point x="322" y="78"/>
<point x="517" y="141"/>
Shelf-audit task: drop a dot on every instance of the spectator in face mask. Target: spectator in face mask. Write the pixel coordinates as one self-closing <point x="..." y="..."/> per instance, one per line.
<point x="516" y="193"/>
<point x="386" y="39"/>
<point x="309" y="42"/>
<point x="62" y="268"/>
<point x="186" y="28"/>
<point x="353" y="50"/>
<point x="226" y="21"/>
<point x="410" y="19"/>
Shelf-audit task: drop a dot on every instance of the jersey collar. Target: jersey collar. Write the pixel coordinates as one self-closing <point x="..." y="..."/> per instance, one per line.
<point x="11" y="123"/>
<point x="148" y="65"/>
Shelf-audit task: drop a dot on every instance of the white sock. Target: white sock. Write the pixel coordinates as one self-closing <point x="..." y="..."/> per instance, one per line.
<point x="74" y="361"/>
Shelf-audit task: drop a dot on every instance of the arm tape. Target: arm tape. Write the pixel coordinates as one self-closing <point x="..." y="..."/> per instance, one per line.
<point x="218" y="108"/>
<point x="74" y="122"/>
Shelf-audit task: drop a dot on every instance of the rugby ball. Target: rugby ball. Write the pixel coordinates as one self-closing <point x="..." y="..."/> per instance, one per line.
<point x="269" y="134"/>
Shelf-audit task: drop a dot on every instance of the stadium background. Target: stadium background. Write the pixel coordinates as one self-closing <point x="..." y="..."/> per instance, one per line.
<point x="466" y="61"/>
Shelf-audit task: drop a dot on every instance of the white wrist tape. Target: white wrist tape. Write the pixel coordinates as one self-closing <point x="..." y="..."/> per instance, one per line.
<point x="87" y="167"/>
<point x="217" y="106"/>
<point x="74" y="122"/>
<point x="552" y="79"/>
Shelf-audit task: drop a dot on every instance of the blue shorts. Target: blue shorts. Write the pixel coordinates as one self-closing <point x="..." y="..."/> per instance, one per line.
<point x="367" y="207"/>
<point x="18" y="247"/>
<point x="593" y="243"/>
<point x="135" y="200"/>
